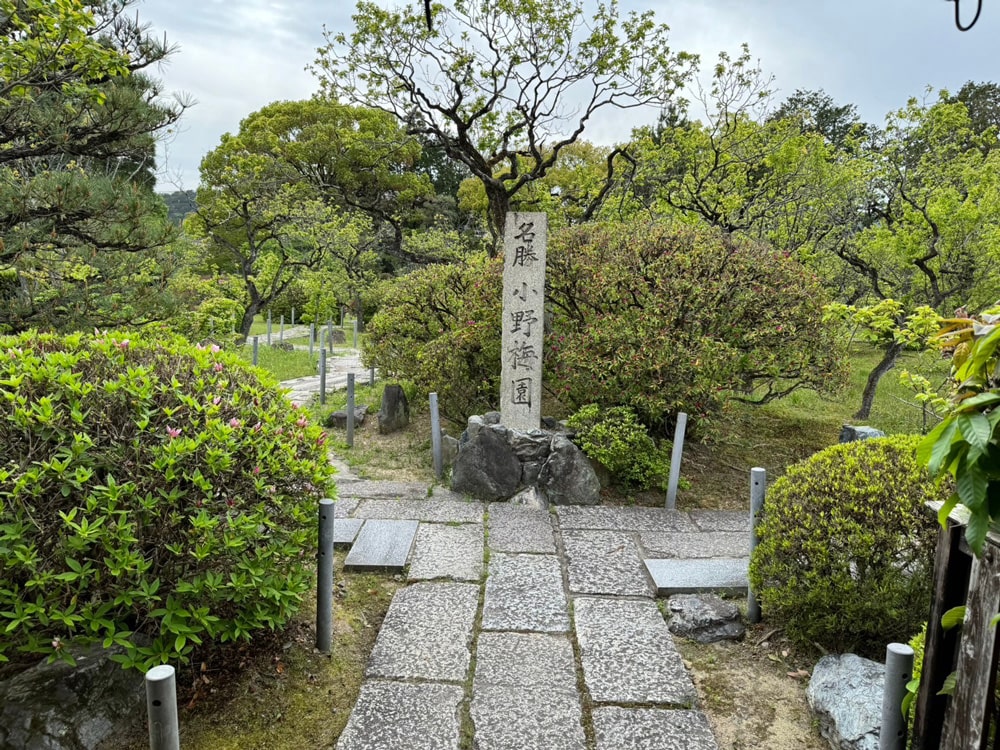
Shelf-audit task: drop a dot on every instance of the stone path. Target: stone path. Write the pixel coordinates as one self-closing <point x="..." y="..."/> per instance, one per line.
<point x="522" y="629"/>
<point x="338" y="365"/>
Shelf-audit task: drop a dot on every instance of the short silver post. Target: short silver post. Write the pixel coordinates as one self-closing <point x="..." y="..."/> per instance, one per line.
<point x="323" y="339"/>
<point x="898" y="672"/>
<point x="350" y="410"/>
<point x="341" y="316"/>
<point x="355" y="333"/>
<point x="268" y="327"/>
<point x="322" y="376"/>
<point x="758" y="490"/>
<point x="161" y="708"/>
<point x="293" y="317"/>
<point x="256" y="349"/>
<point x="329" y="331"/>
<point x="312" y="338"/>
<point x="281" y="330"/>
<point x="324" y="578"/>
<point x="436" y="435"/>
<point x="371" y="377"/>
<point x="675" y="460"/>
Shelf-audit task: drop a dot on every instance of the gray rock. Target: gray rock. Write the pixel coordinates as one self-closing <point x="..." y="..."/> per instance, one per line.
<point x="491" y="417"/>
<point x="530" y="471"/>
<point x="394" y="414"/>
<point x="849" y="433"/>
<point x="501" y="430"/>
<point x="845" y="693"/>
<point x="472" y="429"/>
<point x="338" y="419"/>
<point x="338" y="337"/>
<point x="530" y="445"/>
<point x="486" y="468"/>
<point x="65" y="708"/>
<point x="704" y="618"/>
<point x="567" y="477"/>
<point x="449" y="449"/>
<point x="531" y="497"/>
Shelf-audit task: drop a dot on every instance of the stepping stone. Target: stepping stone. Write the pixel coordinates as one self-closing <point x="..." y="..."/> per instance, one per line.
<point x="517" y="675"/>
<point x="443" y="551"/>
<point x="652" y="729"/>
<point x="610" y="518"/>
<point x="368" y="488"/>
<point x="525" y="592"/>
<point x="426" y="633"/>
<point x="605" y="562"/>
<point x="700" y="544"/>
<point x="342" y="508"/>
<point x="381" y="544"/>
<point x="628" y="655"/>
<point x="724" y="574"/>
<point x="721" y="520"/>
<point x="514" y="528"/>
<point x="435" y="511"/>
<point x="345" y="530"/>
<point x="404" y="716"/>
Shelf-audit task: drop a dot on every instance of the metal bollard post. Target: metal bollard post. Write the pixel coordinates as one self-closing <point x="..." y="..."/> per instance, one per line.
<point x="324" y="578"/>
<point x="355" y="333"/>
<point x="758" y="488"/>
<point x="268" y="327"/>
<point x="341" y="316"/>
<point x="329" y="331"/>
<point x="293" y="317"/>
<point x="161" y="708"/>
<point x="256" y="349"/>
<point x="675" y="460"/>
<point x="322" y="376"/>
<point x="436" y="435"/>
<point x="312" y="338"/>
<point x="371" y="377"/>
<point x="281" y="330"/>
<point x="898" y="672"/>
<point x="350" y="410"/>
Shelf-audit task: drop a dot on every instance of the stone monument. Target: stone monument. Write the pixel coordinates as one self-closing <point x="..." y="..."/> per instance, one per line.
<point x="525" y="242"/>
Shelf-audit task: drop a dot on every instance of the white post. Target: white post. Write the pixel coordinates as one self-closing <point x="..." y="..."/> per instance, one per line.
<point x="161" y="708"/>
<point x="675" y="460"/>
<point x="758" y="490"/>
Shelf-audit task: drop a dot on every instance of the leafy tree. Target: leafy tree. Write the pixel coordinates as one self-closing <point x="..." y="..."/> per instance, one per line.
<point x="492" y="83"/>
<point x="982" y="100"/>
<point x="77" y="127"/>
<point x="839" y="124"/>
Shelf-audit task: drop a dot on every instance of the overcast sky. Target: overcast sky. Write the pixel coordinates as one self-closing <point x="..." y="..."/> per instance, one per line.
<point x="235" y="56"/>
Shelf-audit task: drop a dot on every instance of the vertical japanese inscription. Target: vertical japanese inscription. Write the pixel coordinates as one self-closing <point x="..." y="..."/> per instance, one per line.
<point x="525" y="243"/>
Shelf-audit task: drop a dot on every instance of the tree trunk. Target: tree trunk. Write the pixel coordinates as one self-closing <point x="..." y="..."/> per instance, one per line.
<point x="496" y="214"/>
<point x="248" y="316"/>
<point x="887" y="363"/>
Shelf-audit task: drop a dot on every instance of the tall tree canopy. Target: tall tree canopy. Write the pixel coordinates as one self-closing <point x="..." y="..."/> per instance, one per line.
<point x="78" y="121"/>
<point x="503" y="86"/>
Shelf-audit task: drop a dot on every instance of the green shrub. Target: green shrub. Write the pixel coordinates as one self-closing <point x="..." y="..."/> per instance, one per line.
<point x="620" y="443"/>
<point x="153" y="495"/>
<point x="847" y="546"/>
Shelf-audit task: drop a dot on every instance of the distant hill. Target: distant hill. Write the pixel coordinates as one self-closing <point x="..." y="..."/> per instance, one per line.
<point x="179" y="204"/>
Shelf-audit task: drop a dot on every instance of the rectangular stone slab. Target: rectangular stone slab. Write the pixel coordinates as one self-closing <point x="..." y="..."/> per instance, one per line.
<point x="525" y="592"/>
<point x="628" y="654"/>
<point x="514" y="528"/>
<point x="426" y="633"/>
<point x="605" y="562"/>
<point x="724" y="574"/>
<point x="382" y="544"/>
<point x="721" y="520"/>
<point x="700" y="544"/>
<point x="403" y="716"/>
<point x="438" y="511"/>
<point x="610" y="518"/>
<point x="652" y="729"/>
<point x="444" y="551"/>
<point x="345" y="530"/>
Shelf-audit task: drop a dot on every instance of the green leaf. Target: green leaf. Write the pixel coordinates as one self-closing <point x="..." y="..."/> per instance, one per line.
<point x="971" y="484"/>
<point x="981" y="399"/>
<point x="946" y="509"/>
<point x="934" y="448"/>
<point x="954" y="616"/>
<point x="948" y="688"/>
<point x="994" y="621"/>
<point x="976" y="429"/>
<point x="975" y="532"/>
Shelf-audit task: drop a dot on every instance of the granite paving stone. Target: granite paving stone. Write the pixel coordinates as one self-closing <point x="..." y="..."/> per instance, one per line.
<point x="344" y="508"/>
<point x="652" y="729"/>
<point x="525" y="592"/>
<point x="426" y="633"/>
<point x="404" y="716"/>
<point x="534" y="719"/>
<point x="445" y="551"/>
<point x="515" y="528"/>
<point x="657" y="544"/>
<point x="438" y="511"/>
<point x="381" y="544"/>
<point x="720" y="574"/>
<point x="611" y="518"/>
<point x="628" y="654"/>
<point x="368" y="488"/>
<point x="526" y="660"/>
<point x="345" y="530"/>
<point x="721" y="520"/>
<point x="605" y="562"/>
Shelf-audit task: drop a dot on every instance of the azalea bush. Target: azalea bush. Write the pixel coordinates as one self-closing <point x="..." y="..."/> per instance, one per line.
<point x="617" y="440"/>
<point x="154" y="495"/>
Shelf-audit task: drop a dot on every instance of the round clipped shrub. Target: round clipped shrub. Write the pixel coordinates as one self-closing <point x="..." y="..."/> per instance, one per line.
<point x="847" y="545"/>
<point x="620" y="443"/>
<point x="153" y="495"/>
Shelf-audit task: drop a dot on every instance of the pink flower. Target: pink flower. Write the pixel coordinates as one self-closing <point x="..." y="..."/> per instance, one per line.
<point x="256" y="470"/>
<point x="123" y="345"/>
<point x="215" y="348"/>
<point x="302" y="422"/>
<point x="234" y="423"/>
<point x="218" y="367"/>
<point x="280" y="431"/>
<point x="217" y="400"/>
<point x="229" y="502"/>
<point x="173" y="432"/>
<point x="321" y="439"/>
<point x="257" y="427"/>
